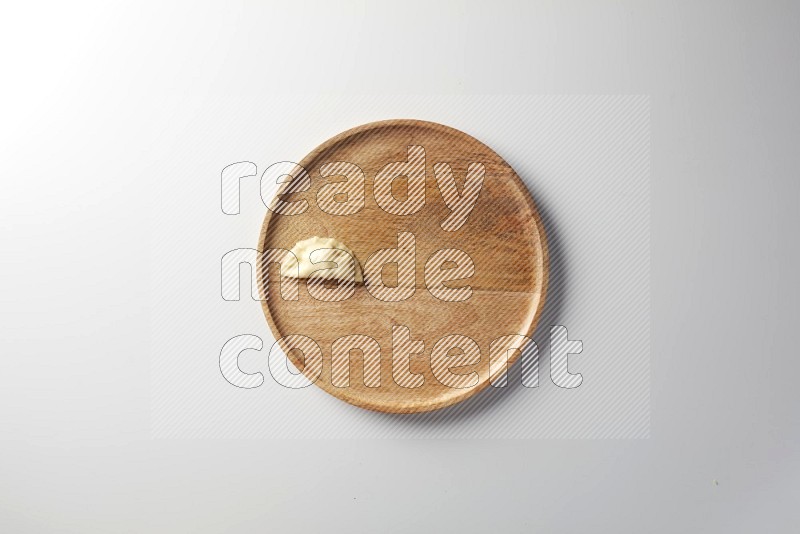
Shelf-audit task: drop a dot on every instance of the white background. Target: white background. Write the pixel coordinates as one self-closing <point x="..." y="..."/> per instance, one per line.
<point x="95" y="100"/>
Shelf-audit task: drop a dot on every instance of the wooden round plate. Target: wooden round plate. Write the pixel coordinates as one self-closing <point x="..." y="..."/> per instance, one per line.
<point x="503" y="235"/>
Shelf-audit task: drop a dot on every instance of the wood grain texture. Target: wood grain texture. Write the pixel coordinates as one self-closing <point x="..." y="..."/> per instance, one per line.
<point x="504" y="236"/>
